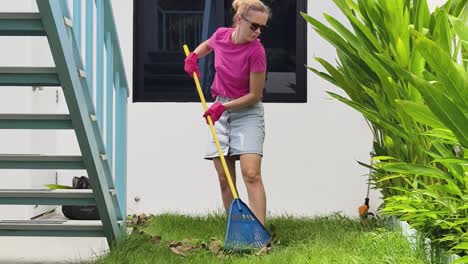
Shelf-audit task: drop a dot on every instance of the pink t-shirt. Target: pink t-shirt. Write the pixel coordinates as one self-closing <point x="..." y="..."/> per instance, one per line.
<point x="234" y="63"/>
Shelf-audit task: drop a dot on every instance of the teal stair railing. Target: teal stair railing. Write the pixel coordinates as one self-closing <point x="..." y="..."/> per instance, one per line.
<point x="93" y="80"/>
<point x="94" y="25"/>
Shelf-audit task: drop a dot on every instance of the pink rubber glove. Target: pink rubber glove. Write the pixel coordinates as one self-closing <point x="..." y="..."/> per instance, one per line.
<point x="215" y="111"/>
<point x="191" y="64"/>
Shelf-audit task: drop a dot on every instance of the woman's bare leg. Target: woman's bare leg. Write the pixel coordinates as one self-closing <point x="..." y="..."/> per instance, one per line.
<point x="223" y="182"/>
<point x="251" y="172"/>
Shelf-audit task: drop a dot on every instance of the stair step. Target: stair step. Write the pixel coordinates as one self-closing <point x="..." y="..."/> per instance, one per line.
<point x="176" y="90"/>
<point x="167" y="56"/>
<point x="48" y="197"/>
<point x="29" y="76"/>
<point x="52" y="228"/>
<point x="169" y="79"/>
<point x="165" y="68"/>
<point x="27" y="161"/>
<point x="35" y="121"/>
<point x="21" y="24"/>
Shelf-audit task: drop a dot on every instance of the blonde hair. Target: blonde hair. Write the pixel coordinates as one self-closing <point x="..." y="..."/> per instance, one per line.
<point x="242" y="7"/>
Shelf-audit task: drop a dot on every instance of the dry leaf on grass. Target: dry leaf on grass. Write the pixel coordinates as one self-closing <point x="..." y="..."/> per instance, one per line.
<point x="176" y="251"/>
<point x="138" y="220"/>
<point x="155" y="239"/>
<point x="182" y="249"/>
<point x="189" y="245"/>
<point x="215" y="246"/>
<point x="263" y="251"/>
<point x="221" y="255"/>
<point x="174" y="243"/>
<point x="137" y="231"/>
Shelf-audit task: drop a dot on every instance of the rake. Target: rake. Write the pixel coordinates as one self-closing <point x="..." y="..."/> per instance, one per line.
<point x="244" y="231"/>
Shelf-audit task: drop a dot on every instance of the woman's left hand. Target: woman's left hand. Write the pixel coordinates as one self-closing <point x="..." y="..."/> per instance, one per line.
<point x="215" y="112"/>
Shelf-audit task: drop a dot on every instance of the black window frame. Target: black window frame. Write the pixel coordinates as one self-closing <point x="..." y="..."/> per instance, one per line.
<point x="140" y="96"/>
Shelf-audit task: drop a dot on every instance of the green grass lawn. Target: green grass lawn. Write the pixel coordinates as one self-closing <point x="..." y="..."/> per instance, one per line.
<point x="332" y="239"/>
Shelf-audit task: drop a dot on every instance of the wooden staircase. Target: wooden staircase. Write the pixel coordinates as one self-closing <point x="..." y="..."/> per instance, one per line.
<point x="86" y="117"/>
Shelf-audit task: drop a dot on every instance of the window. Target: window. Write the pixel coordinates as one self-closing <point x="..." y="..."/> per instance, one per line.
<point x="161" y="27"/>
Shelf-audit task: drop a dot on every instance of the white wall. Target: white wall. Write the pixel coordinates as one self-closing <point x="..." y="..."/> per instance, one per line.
<point x="311" y="149"/>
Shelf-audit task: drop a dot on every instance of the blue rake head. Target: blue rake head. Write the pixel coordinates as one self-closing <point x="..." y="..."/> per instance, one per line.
<point x="244" y="231"/>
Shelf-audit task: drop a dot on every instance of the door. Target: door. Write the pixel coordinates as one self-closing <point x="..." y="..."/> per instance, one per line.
<point x="162" y="27"/>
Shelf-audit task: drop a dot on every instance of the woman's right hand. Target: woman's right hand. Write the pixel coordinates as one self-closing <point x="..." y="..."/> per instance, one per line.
<point x="191" y="64"/>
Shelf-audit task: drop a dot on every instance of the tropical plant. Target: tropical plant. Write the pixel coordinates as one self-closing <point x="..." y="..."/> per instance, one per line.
<point x="405" y="69"/>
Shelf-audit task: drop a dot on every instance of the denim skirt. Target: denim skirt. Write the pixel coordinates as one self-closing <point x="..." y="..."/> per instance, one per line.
<point x="240" y="131"/>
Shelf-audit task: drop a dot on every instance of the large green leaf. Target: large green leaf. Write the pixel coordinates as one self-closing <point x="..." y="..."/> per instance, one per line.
<point x="363" y="33"/>
<point x="372" y="115"/>
<point x="444" y="135"/>
<point x="366" y="9"/>
<point x="380" y="105"/>
<point x="457" y="7"/>
<point x="449" y="188"/>
<point x="343" y="31"/>
<point x="421" y="113"/>
<point x="442" y="106"/>
<point x="464" y="259"/>
<point x="402" y="51"/>
<point x="340" y="79"/>
<point x="390" y="177"/>
<point x="452" y="76"/>
<point x="324" y="75"/>
<point x="414" y="169"/>
<point x="384" y="73"/>
<point x="372" y="14"/>
<point x="328" y="34"/>
<point x="460" y="27"/>
<point x="417" y="62"/>
<point x="459" y="161"/>
<point x="442" y="32"/>
<point x="357" y="70"/>
<point x="446" y="110"/>
<point x="422" y="15"/>
<point x="447" y="6"/>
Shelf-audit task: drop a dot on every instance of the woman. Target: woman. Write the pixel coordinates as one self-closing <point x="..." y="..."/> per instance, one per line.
<point x="237" y="113"/>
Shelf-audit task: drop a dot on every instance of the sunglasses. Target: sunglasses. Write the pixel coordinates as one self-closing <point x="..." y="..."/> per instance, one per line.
<point x="255" y="26"/>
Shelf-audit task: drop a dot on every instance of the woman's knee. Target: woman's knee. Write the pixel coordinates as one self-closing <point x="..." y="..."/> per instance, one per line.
<point x="251" y="175"/>
<point x="223" y="182"/>
<point x="222" y="179"/>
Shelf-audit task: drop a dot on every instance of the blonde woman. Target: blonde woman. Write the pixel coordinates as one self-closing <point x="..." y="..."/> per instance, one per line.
<point x="237" y="112"/>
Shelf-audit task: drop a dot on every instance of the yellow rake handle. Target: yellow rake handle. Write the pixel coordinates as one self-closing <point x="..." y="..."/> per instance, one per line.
<point x="213" y="132"/>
